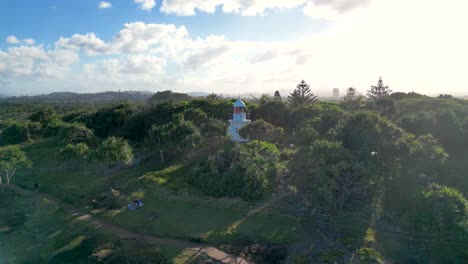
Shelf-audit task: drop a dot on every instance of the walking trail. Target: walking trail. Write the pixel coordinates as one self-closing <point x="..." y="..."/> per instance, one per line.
<point x="197" y="249"/>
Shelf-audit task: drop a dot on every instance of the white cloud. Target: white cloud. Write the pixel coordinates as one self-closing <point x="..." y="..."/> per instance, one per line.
<point x="396" y="39"/>
<point x="146" y="4"/>
<point x="29" y="41"/>
<point x="12" y="40"/>
<point x="104" y="5"/>
<point x="35" y="62"/>
<point x="244" y="7"/>
<point x="256" y="7"/>
<point x="89" y="43"/>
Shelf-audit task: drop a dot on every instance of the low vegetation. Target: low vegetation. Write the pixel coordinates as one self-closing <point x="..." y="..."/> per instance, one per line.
<point x="355" y="180"/>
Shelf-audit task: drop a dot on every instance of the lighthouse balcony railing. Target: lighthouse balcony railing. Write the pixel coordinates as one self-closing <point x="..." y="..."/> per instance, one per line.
<point x="239" y="117"/>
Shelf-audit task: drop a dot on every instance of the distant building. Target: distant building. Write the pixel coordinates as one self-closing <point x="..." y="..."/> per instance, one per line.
<point x="238" y="121"/>
<point x="336" y="93"/>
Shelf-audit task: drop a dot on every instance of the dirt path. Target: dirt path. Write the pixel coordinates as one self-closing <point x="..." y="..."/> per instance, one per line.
<point x="197" y="249"/>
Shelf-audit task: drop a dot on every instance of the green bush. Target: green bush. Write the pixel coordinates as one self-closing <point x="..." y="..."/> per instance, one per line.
<point x="245" y="171"/>
<point x="75" y="133"/>
<point x="15" y="134"/>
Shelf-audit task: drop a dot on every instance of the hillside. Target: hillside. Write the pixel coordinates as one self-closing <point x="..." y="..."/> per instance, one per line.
<point x="64" y="97"/>
<point x="356" y="181"/>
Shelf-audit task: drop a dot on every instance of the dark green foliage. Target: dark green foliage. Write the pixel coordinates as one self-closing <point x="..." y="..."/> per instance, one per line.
<point x="213" y="128"/>
<point x="44" y="116"/>
<point x="306" y="133"/>
<point x="11" y="158"/>
<point x="443" y="213"/>
<point x="386" y="107"/>
<point x="195" y="115"/>
<point x="213" y="97"/>
<point x="352" y="100"/>
<point x="139" y="123"/>
<point x="277" y="96"/>
<point x="75" y="133"/>
<point x="338" y="176"/>
<point x="261" y="130"/>
<point x="301" y="96"/>
<point x="53" y="128"/>
<point x="378" y="91"/>
<point x="113" y="150"/>
<point x="108" y="120"/>
<point x="272" y="111"/>
<point x="74" y="151"/>
<point x="246" y="170"/>
<point x="169" y="96"/>
<point x="15" y="134"/>
<point x="219" y="109"/>
<point x="173" y="137"/>
<point x="35" y="128"/>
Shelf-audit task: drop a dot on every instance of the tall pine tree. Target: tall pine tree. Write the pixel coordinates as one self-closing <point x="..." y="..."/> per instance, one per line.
<point x="277" y="96"/>
<point x="302" y="95"/>
<point x="379" y="91"/>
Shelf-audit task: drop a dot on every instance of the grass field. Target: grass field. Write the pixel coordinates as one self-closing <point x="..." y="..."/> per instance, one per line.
<point x="35" y="230"/>
<point x="69" y="182"/>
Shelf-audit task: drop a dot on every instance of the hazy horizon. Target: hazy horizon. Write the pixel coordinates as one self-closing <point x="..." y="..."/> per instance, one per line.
<point x="232" y="47"/>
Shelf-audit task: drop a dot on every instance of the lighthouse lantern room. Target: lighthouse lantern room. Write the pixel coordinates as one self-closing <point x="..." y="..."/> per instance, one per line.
<point x="238" y="121"/>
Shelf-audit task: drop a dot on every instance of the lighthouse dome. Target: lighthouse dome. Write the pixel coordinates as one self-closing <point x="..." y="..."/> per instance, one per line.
<point x="239" y="103"/>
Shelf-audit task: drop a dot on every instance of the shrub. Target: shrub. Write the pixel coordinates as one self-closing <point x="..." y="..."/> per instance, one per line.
<point x="15" y="134"/>
<point x="75" y="133"/>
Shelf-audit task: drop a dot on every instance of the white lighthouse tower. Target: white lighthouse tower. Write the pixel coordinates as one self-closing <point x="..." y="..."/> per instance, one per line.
<point x="238" y="121"/>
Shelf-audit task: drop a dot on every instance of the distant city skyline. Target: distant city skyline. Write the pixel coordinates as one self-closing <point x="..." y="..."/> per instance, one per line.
<point x="231" y="47"/>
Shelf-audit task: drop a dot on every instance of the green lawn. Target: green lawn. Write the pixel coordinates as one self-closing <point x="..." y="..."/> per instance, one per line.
<point x="174" y="219"/>
<point x="35" y="230"/>
<point x="191" y="220"/>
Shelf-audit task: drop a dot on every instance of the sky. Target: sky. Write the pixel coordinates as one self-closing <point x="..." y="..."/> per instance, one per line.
<point x="232" y="46"/>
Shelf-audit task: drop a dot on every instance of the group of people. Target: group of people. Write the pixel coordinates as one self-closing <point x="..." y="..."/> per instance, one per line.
<point x="135" y="204"/>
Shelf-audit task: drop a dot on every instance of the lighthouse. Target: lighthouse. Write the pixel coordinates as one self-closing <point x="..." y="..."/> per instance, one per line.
<point x="238" y="121"/>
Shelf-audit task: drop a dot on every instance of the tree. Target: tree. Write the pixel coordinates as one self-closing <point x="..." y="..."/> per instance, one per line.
<point x="71" y="150"/>
<point x="379" y="91"/>
<point x="44" y="116"/>
<point x="338" y="175"/>
<point x="11" y="158"/>
<point x="75" y="133"/>
<point x="261" y="130"/>
<point x="79" y="151"/>
<point x="351" y="94"/>
<point x="195" y="115"/>
<point x="169" y="96"/>
<point x="277" y="96"/>
<point x="112" y="150"/>
<point x="301" y="96"/>
<point x="178" y="134"/>
<point x="246" y="170"/>
<point x="352" y="100"/>
<point x="274" y="112"/>
<point x="213" y="97"/>
<point x="108" y="120"/>
<point x="443" y="213"/>
<point x="15" y="134"/>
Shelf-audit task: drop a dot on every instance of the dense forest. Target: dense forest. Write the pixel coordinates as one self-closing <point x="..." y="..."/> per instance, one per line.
<point x="387" y="159"/>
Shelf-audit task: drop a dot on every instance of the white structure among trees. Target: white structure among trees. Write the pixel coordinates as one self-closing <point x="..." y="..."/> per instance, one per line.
<point x="238" y="121"/>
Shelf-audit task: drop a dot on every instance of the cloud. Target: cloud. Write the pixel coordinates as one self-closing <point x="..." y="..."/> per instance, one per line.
<point x="146" y="4"/>
<point x="12" y="40"/>
<point x="396" y="39"/>
<point x="29" y="41"/>
<point x="88" y="42"/>
<point x="35" y="62"/>
<point x="333" y="9"/>
<point x="104" y="5"/>
<point x="318" y="8"/>
<point x="244" y="7"/>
